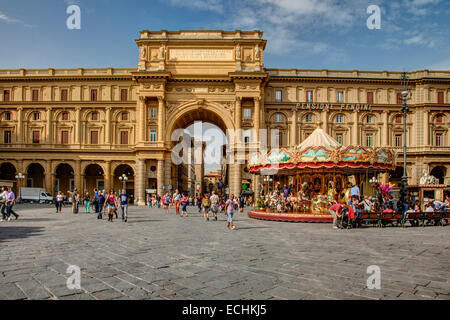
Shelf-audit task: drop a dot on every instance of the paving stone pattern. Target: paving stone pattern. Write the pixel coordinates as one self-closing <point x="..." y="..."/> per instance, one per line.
<point x="158" y="256"/>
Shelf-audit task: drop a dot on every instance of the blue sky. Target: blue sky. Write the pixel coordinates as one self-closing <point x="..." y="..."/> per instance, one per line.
<point x="310" y="34"/>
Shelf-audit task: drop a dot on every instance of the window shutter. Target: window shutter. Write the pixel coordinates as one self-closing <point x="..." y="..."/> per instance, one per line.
<point x="124" y="94"/>
<point x="440" y="97"/>
<point x="35" y="136"/>
<point x="369" y="97"/>
<point x="64" y="95"/>
<point x="94" y="137"/>
<point x="6" y="96"/>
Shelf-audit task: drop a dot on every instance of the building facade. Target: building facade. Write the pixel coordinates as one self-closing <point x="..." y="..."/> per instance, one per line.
<point x="84" y="128"/>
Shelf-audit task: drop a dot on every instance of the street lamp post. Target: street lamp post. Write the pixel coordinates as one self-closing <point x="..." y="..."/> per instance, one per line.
<point x="405" y="96"/>
<point x="124" y="180"/>
<point x="19" y="178"/>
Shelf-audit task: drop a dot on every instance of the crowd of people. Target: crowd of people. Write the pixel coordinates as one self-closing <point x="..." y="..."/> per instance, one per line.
<point x="209" y="204"/>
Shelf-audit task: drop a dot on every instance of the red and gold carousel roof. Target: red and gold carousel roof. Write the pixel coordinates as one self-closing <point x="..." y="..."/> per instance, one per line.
<point x="320" y="150"/>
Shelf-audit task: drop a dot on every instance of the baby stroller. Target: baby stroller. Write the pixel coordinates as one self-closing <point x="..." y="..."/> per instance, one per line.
<point x="344" y="222"/>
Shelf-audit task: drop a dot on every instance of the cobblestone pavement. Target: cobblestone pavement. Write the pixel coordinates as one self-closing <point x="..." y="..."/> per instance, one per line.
<point x="157" y="256"/>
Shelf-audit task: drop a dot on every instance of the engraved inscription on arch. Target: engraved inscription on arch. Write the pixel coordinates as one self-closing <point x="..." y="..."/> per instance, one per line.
<point x="201" y="54"/>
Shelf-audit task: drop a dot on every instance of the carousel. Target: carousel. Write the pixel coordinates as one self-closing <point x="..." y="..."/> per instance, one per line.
<point x="317" y="172"/>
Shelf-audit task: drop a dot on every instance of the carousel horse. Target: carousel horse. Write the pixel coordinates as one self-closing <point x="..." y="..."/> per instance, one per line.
<point x="345" y="195"/>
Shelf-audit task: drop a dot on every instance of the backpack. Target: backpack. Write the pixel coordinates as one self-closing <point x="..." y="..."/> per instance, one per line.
<point x="206" y="202"/>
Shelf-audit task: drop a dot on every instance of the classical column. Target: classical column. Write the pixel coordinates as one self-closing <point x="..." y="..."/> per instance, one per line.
<point x="237" y="179"/>
<point x="385" y="132"/>
<point x="160" y="177"/>
<point x="77" y="125"/>
<point x="107" y="176"/>
<point x="355" y="132"/>
<point x="108" y="126"/>
<point x="48" y="176"/>
<point x="167" y="173"/>
<point x="426" y="129"/>
<point x="257" y="117"/>
<point x="140" y="182"/>
<point x="294" y="128"/>
<point x="325" y="121"/>
<point x="48" y="129"/>
<point x="77" y="176"/>
<point x="20" y="134"/>
<point x="161" y="118"/>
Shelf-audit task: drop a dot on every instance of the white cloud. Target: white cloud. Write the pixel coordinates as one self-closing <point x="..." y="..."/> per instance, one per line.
<point x="5" y="18"/>
<point x="207" y="5"/>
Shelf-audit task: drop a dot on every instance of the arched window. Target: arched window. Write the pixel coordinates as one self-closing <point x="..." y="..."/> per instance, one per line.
<point x="369" y="118"/>
<point x="94" y="116"/>
<point x="339" y="118"/>
<point x="278" y="117"/>
<point x="309" y="117"/>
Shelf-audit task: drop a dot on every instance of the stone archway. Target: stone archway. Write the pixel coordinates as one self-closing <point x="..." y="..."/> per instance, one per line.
<point x="8" y="176"/>
<point x="187" y="115"/>
<point x="94" y="177"/>
<point x="65" y="178"/>
<point x="117" y="184"/>
<point x="439" y="173"/>
<point x="36" y="176"/>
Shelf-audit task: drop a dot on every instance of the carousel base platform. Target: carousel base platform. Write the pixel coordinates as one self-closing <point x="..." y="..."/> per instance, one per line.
<point x="290" y="217"/>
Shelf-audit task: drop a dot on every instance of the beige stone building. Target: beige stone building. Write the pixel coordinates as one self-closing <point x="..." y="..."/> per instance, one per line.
<point x="84" y="128"/>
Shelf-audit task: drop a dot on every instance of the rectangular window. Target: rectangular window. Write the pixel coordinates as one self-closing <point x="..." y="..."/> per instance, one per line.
<point x="309" y="117"/>
<point x="123" y="137"/>
<point x="339" y="118"/>
<point x="309" y="96"/>
<point x="369" y="119"/>
<point x="124" y="116"/>
<point x="398" y="119"/>
<point x="247" y="113"/>
<point x="340" y="97"/>
<point x="278" y="117"/>
<point x="7" y="136"/>
<point x="35" y="95"/>
<point x="7" y="116"/>
<point x="153" y="135"/>
<point x="369" y="140"/>
<point x="65" y="116"/>
<point x="438" y="139"/>
<point x="94" y="95"/>
<point x="6" y="95"/>
<point x="278" y="95"/>
<point x="63" y="94"/>
<point x="36" y="116"/>
<point x="339" y="138"/>
<point x="36" y="135"/>
<point x="64" y="137"/>
<point x="94" y="137"/>
<point x="369" y="97"/>
<point x="124" y="94"/>
<point x="440" y="97"/>
<point x="246" y="139"/>
<point x="94" y="116"/>
<point x="153" y="113"/>
<point x="398" y="140"/>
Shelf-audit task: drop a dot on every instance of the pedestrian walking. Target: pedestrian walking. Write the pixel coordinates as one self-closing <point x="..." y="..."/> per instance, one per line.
<point x="59" y="202"/>
<point x="4" y="200"/>
<point x="176" y="201"/>
<point x="166" y="202"/>
<point x="206" y="205"/>
<point x="87" y="202"/>
<point x="101" y="204"/>
<point x="230" y="206"/>
<point x="214" y="205"/>
<point x="124" y="204"/>
<point x="75" y="199"/>
<point x="10" y="204"/>
<point x="184" y="203"/>
<point x="111" y="204"/>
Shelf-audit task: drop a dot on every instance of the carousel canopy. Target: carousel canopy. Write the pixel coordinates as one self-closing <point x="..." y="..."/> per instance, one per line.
<point x="319" y="138"/>
<point x="321" y="151"/>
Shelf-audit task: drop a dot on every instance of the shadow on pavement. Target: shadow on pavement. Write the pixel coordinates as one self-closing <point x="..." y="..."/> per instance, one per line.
<point x="10" y="232"/>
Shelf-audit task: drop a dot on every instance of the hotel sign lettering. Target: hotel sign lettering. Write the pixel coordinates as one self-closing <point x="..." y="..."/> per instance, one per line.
<point x="201" y="55"/>
<point x="327" y="107"/>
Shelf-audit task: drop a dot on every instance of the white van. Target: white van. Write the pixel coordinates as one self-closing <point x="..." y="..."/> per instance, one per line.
<point x="35" y="195"/>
